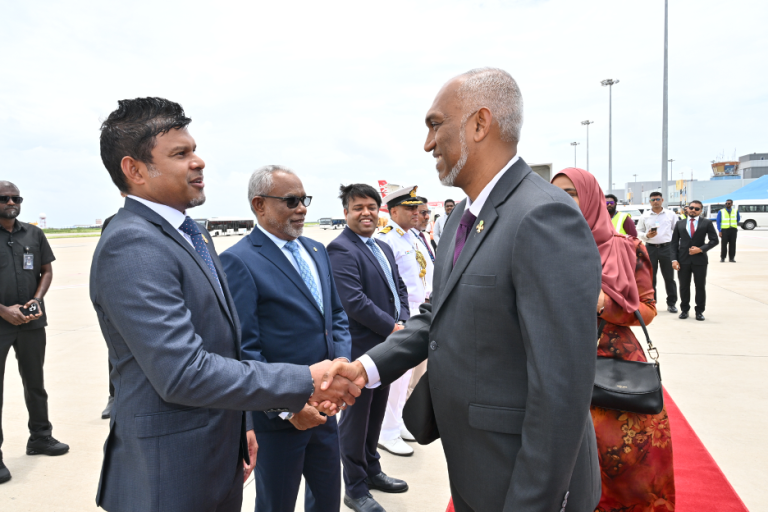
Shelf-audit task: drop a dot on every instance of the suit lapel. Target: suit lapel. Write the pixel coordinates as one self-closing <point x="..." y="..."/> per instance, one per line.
<point x="173" y="233"/>
<point x="272" y="253"/>
<point x="367" y="252"/>
<point x="488" y="215"/>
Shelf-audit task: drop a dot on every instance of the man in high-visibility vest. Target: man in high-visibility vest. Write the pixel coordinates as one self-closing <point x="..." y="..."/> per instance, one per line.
<point x="728" y="225"/>
<point x="622" y="222"/>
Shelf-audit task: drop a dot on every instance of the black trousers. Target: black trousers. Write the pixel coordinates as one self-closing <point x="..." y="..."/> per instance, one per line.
<point x="30" y="353"/>
<point x="359" y="430"/>
<point x="699" y="273"/>
<point x="662" y="257"/>
<point x="111" y="386"/>
<point x="728" y="243"/>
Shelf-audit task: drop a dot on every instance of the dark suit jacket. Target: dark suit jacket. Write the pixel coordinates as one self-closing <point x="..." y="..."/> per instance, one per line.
<point x="681" y="242"/>
<point x="364" y="290"/>
<point x="180" y="391"/>
<point x="510" y="336"/>
<point x="281" y="321"/>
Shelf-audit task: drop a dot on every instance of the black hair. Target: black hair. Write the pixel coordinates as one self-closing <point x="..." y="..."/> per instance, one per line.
<point x="657" y="193"/>
<point x="449" y="201"/>
<point x="132" y="130"/>
<point x="358" y="190"/>
<point x="423" y="200"/>
<point x="615" y="199"/>
<point x="697" y="202"/>
<point x="731" y="200"/>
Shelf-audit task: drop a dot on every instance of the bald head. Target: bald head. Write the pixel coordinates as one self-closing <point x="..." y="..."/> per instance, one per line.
<point x="7" y="186"/>
<point x="10" y="209"/>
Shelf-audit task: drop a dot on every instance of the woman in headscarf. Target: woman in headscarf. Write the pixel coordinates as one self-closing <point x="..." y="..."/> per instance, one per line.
<point x="635" y="450"/>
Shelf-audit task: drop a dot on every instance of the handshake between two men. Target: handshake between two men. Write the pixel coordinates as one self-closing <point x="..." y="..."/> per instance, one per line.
<point x="340" y="383"/>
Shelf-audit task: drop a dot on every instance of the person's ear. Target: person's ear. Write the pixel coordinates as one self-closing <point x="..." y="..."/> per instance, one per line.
<point x="132" y="169"/>
<point x="483" y="119"/>
<point x="258" y="204"/>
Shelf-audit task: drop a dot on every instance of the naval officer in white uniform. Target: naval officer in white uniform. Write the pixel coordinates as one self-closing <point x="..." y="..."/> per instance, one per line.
<point x="411" y="259"/>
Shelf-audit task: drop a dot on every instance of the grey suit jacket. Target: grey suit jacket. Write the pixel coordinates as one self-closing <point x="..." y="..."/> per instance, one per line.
<point x="511" y="340"/>
<point x="177" y="428"/>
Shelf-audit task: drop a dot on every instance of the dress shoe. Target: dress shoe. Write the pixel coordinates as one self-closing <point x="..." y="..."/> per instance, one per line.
<point x="46" y="446"/>
<point x="364" y="504"/>
<point x="407" y="436"/>
<point x="722" y="260"/>
<point x="731" y="261"/>
<point x="5" y="475"/>
<point x="672" y="309"/>
<point x="107" y="412"/>
<point x="396" y="447"/>
<point x="384" y="483"/>
<point x="699" y="317"/>
<point x="683" y="315"/>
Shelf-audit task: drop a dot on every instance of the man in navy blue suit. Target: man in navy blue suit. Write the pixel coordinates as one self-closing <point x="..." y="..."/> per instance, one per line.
<point x="376" y="301"/>
<point x="290" y="312"/>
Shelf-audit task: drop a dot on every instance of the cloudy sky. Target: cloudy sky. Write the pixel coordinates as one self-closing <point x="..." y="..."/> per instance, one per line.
<point x="338" y="90"/>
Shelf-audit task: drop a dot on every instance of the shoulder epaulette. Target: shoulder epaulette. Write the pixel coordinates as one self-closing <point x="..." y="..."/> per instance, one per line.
<point x="386" y="230"/>
<point x="400" y="232"/>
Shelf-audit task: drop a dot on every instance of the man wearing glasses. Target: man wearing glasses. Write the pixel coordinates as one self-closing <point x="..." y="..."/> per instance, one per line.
<point x="25" y="275"/>
<point x="290" y="312"/>
<point x="655" y="228"/>
<point x="622" y="222"/>
<point x="690" y="248"/>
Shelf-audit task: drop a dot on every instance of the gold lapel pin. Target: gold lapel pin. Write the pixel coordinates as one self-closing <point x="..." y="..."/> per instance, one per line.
<point x="315" y="248"/>
<point x="480" y="227"/>
<point x="205" y="239"/>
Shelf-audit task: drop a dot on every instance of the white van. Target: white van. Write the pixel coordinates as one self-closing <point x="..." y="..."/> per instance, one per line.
<point x="754" y="212"/>
<point x="634" y="210"/>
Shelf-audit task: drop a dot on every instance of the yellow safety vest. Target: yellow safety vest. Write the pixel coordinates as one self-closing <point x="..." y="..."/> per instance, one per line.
<point x="618" y="222"/>
<point x="729" y="220"/>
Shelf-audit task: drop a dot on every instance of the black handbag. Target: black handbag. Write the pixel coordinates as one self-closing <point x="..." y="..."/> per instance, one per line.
<point x="418" y="414"/>
<point x="631" y="386"/>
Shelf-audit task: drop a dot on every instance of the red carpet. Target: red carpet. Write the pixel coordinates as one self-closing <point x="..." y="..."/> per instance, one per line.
<point x="700" y="485"/>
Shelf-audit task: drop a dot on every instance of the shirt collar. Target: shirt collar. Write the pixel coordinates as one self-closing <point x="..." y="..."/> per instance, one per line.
<point x="279" y="242"/>
<point x="363" y="238"/>
<point x="173" y="216"/>
<point x="477" y="205"/>
<point x="17" y="226"/>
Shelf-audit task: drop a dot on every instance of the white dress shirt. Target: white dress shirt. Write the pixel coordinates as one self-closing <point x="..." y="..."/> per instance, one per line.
<point x="280" y="243"/>
<point x="665" y="222"/>
<point x="374" y="380"/>
<point x="437" y="232"/>
<point x="173" y="216"/>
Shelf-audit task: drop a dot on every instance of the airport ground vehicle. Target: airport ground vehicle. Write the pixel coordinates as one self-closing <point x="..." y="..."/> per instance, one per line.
<point x="754" y="212"/>
<point x="634" y="210"/>
<point x="223" y="226"/>
<point x="327" y="222"/>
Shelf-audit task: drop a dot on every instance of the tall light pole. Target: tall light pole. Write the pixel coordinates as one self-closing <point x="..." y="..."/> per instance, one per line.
<point x="635" y="175"/>
<point x="671" y="172"/>
<point x="574" y="144"/>
<point x="610" y="82"/>
<point x="665" y="112"/>
<point x="587" y="123"/>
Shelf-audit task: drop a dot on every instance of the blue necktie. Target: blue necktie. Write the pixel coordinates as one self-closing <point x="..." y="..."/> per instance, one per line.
<point x="191" y="228"/>
<point x="380" y="258"/>
<point x="306" y="273"/>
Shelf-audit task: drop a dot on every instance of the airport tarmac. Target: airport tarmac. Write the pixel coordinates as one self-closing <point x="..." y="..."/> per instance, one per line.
<point x="714" y="370"/>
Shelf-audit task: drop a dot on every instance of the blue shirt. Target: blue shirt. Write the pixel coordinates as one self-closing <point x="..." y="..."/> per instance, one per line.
<point x="720" y="217"/>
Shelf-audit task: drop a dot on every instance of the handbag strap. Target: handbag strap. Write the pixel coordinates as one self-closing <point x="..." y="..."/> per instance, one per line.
<point x="653" y="352"/>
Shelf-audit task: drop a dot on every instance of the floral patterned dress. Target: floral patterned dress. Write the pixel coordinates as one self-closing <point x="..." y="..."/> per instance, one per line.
<point x="635" y="450"/>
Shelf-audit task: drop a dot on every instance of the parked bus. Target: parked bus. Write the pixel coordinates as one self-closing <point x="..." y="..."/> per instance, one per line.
<point x="327" y="222"/>
<point x="223" y="226"/>
<point x="754" y="212"/>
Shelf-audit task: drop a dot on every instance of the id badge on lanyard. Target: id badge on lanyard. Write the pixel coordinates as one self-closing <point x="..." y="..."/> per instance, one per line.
<point x="29" y="260"/>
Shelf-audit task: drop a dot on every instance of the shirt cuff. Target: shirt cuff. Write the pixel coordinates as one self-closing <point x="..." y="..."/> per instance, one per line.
<point x="374" y="380"/>
<point x="285" y="415"/>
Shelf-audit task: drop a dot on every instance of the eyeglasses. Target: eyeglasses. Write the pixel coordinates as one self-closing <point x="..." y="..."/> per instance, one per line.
<point x="15" y="199"/>
<point x="655" y="199"/>
<point x="609" y="203"/>
<point x="694" y="208"/>
<point x="424" y="213"/>
<point x="293" y="201"/>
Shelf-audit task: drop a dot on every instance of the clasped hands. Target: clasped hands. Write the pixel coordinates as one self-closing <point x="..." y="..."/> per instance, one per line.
<point x="337" y="384"/>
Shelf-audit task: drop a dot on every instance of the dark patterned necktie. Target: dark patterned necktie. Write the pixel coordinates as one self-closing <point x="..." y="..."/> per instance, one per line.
<point x="467" y="220"/>
<point x="192" y="230"/>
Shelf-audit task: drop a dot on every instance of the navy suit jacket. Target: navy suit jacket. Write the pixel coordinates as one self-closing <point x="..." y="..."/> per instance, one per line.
<point x="280" y="320"/>
<point x="364" y="290"/>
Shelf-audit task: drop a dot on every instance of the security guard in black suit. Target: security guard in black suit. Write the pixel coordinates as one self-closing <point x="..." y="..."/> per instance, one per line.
<point x="690" y="257"/>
